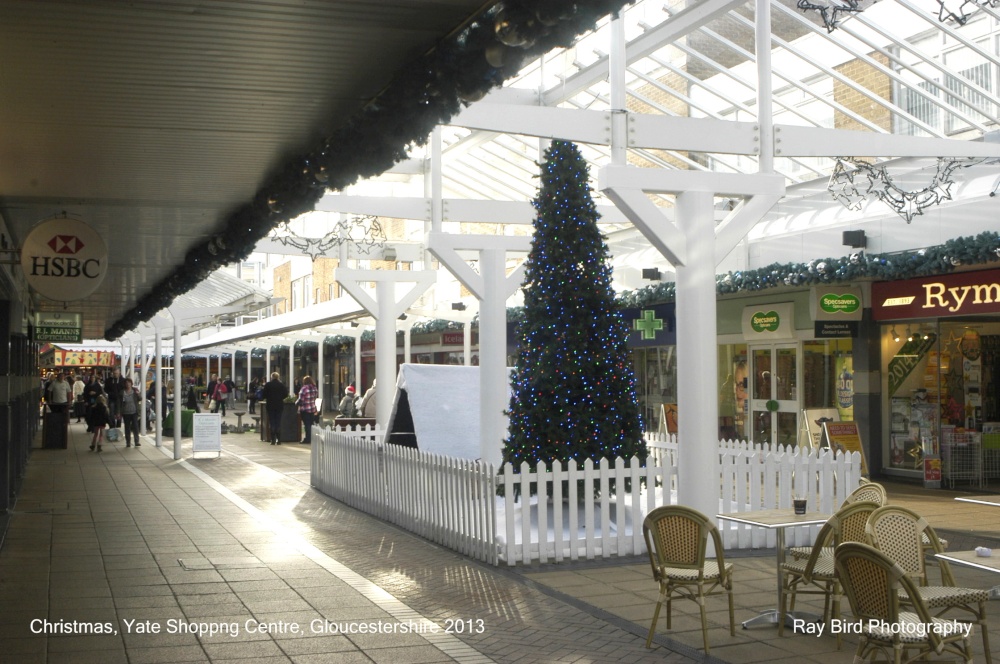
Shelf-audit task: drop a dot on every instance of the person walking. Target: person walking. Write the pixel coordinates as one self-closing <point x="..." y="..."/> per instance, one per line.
<point x="274" y="400"/>
<point x="192" y="396"/>
<point x="230" y="393"/>
<point x="90" y="395"/>
<point x="79" y="406"/>
<point x="221" y="395"/>
<point x="252" y="396"/>
<point x="99" y="419"/>
<point x="130" y="412"/>
<point x="59" y="394"/>
<point x="114" y="387"/>
<point x="307" y="406"/>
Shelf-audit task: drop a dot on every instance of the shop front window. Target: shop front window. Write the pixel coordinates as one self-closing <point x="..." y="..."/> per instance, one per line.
<point x="918" y="395"/>
<point x="656" y="386"/>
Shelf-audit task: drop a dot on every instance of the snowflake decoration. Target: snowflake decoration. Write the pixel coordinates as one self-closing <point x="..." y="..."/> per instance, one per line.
<point x="960" y="11"/>
<point x="830" y="10"/>
<point x="853" y="180"/>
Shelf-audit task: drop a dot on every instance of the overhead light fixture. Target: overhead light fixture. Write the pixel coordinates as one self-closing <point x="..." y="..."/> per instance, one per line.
<point x="354" y="323"/>
<point x="895" y="334"/>
<point x="389" y="254"/>
<point x="402" y="316"/>
<point x="909" y="335"/>
<point x="651" y="273"/>
<point x="458" y="306"/>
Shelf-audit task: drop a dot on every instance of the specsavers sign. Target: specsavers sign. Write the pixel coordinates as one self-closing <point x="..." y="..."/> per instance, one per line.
<point x="64" y="259"/>
<point x="961" y="294"/>
<point x="768" y="321"/>
<point x="837" y="303"/>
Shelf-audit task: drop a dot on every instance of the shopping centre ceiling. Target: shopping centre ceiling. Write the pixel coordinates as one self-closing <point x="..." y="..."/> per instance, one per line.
<point x="152" y="121"/>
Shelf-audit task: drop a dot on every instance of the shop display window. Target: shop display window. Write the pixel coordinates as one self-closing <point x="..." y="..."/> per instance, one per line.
<point x="656" y="386"/>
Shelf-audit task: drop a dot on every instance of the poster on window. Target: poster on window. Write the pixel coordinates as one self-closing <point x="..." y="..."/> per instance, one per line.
<point x="844" y="388"/>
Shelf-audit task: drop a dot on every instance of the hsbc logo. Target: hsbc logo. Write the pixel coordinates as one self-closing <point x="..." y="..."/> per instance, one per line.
<point x="64" y="259"/>
<point x="66" y="244"/>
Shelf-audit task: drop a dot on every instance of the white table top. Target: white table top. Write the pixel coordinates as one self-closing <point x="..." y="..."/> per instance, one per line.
<point x="776" y="518"/>
<point x="993" y="501"/>
<point x="990" y="564"/>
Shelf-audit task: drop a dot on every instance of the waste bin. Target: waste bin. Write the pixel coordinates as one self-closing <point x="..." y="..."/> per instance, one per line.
<point x="54" y="431"/>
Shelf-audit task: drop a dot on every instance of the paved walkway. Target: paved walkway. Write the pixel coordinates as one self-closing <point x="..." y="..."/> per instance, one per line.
<point x="129" y="556"/>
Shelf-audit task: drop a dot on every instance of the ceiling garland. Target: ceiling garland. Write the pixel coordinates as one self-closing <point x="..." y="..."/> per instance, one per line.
<point x="427" y="92"/>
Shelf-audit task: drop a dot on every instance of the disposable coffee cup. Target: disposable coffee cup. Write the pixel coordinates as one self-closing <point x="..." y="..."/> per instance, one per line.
<point x="800" y="505"/>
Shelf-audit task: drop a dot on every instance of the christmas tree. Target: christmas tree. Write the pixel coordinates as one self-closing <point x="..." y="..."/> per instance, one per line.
<point x="573" y="388"/>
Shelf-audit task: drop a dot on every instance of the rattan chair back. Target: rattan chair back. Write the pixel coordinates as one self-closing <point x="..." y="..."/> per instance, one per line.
<point x="898" y="533"/>
<point x="872" y="492"/>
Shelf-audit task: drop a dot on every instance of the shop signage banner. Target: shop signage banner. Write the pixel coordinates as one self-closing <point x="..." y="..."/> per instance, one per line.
<point x="767" y="322"/>
<point x="651" y="326"/>
<point x="959" y="294"/>
<point x="825" y="329"/>
<point x="64" y="259"/>
<point x="59" y="326"/>
<point x="836" y="303"/>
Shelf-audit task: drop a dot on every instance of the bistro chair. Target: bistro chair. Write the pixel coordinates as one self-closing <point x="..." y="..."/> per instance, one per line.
<point x="677" y="539"/>
<point x="869" y="491"/>
<point x="899" y="533"/>
<point x="874" y="584"/>
<point x="816" y="574"/>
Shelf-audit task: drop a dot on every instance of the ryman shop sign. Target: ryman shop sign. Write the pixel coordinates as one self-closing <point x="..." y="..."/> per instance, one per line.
<point x="64" y="259"/>
<point x="960" y="294"/>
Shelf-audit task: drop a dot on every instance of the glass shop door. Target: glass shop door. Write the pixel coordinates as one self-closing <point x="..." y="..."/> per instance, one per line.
<point x="774" y="402"/>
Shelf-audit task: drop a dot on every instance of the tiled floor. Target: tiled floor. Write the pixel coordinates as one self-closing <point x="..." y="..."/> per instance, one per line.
<point x="182" y="561"/>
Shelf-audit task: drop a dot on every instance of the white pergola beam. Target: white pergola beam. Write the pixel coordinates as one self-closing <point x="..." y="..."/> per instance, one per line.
<point x="651" y="222"/>
<point x="680" y="24"/>
<point x="674" y="182"/>
<point x="793" y="141"/>
<point x="544" y="121"/>
<point x="738" y="223"/>
<point x="666" y="132"/>
<point x="452" y="209"/>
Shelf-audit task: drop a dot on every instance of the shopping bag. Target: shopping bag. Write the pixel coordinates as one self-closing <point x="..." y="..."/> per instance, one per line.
<point x="113" y="435"/>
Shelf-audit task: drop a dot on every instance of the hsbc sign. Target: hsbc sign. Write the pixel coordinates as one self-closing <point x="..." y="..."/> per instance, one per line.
<point x="64" y="259"/>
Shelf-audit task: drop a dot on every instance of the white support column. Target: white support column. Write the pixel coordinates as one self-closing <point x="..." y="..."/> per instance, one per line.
<point x="208" y="367"/>
<point x="291" y="365"/>
<point x="407" y="348"/>
<point x="178" y="387"/>
<point x="145" y="362"/>
<point x="386" y="310"/>
<point x="357" y="362"/>
<point x="492" y="286"/>
<point x="385" y="351"/>
<point x="616" y="75"/>
<point x="219" y="372"/>
<point x="158" y="383"/>
<point x="698" y="400"/>
<point x="492" y="355"/>
<point x="319" y="379"/>
<point x="124" y="356"/>
<point x="249" y="370"/>
<point x="467" y="343"/>
<point x="267" y="363"/>
<point x="233" y="374"/>
<point x="765" y="112"/>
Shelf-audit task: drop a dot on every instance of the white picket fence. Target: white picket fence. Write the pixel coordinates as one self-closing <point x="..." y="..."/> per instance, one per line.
<point x="564" y="512"/>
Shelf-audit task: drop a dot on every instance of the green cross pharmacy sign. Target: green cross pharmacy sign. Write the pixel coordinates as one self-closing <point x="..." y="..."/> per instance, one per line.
<point x="648" y="325"/>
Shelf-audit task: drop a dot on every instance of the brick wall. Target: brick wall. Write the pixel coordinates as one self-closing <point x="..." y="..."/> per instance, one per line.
<point x="866" y="76"/>
<point x="283" y="287"/>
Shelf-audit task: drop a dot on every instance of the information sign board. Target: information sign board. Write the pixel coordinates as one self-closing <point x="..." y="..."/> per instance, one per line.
<point x="207" y="433"/>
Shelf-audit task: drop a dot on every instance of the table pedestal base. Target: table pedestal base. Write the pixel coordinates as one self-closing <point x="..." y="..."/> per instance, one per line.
<point x="770" y="617"/>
